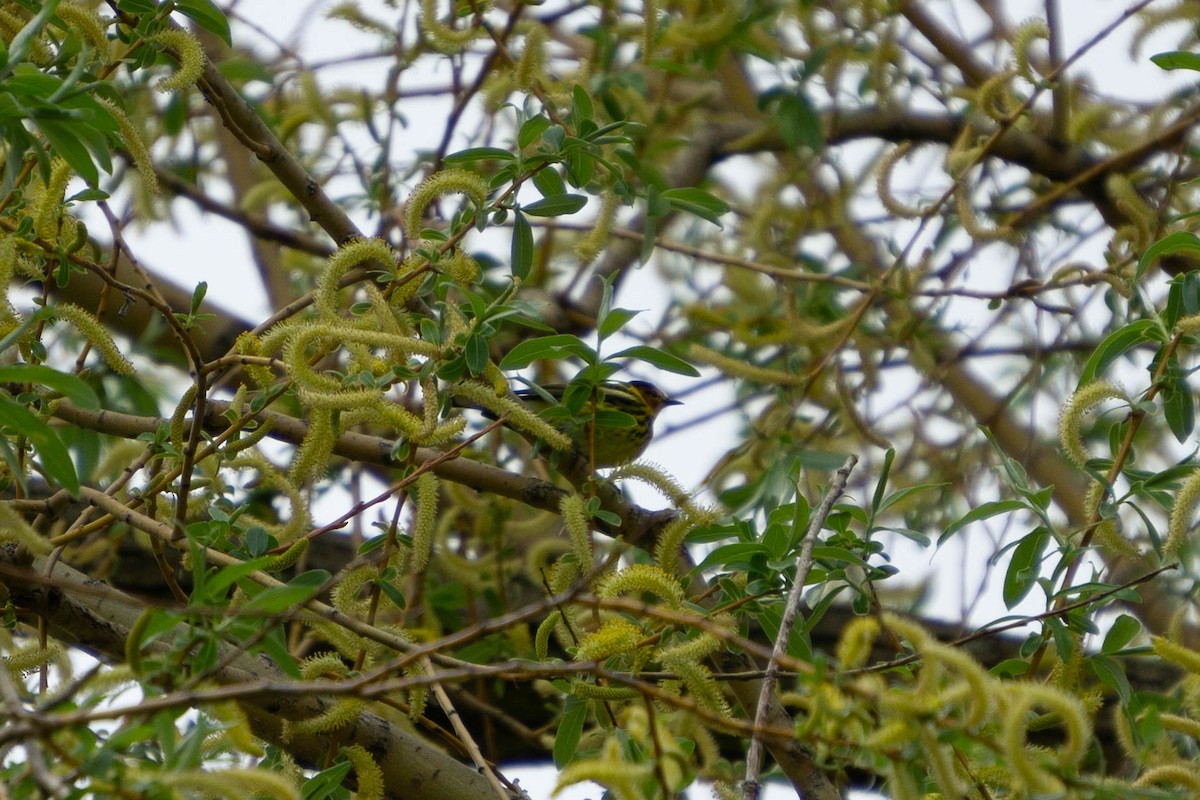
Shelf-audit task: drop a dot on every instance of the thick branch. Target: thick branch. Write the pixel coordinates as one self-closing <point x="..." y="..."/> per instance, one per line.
<point x="98" y="618"/>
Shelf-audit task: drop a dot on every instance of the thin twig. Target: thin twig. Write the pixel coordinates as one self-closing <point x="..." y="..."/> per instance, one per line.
<point x="751" y="786"/>
<point x="463" y="733"/>
<point x="10" y="700"/>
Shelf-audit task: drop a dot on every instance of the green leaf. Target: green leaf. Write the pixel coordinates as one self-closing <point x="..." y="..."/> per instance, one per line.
<point x="393" y="593"/>
<point x="89" y="196"/>
<point x="549" y="182"/>
<point x="649" y="236"/>
<point x="570" y="728"/>
<point x="1115" y="345"/>
<point x="976" y="514"/>
<point x="66" y="384"/>
<point x="1120" y="634"/>
<point x="277" y="599"/>
<point x="1177" y="59"/>
<point x="522" y="247"/>
<point x="208" y="16"/>
<point x="1064" y="640"/>
<point x="823" y="460"/>
<point x="216" y="585"/>
<point x="64" y="142"/>
<point x="778" y="538"/>
<point x="474" y="154"/>
<point x="606" y="294"/>
<point x="580" y="163"/>
<point x="372" y="544"/>
<point x="1109" y="672"/>
<point x="1179" y="241"/>
<point x="54" y="456"/>
<point x="137" y="6"/>
<point x="19" y="45"/>
<point x="613" y="321"/>
<point x="659" y="358"/>
<point x="476" y="353"/>
<point x="553" y="139"/>
<point x="881" y="483"/>
<point x="798" y="645"/>
<point x="607" y="517"/>
<point x="915" y="536"/>
<point x="558" y="346"/>
<point x="325" y="783"/>
<point x="1179" y="408"/>
<point x="531" y="129"/>
<point x="581" y="105"/>
<point x="733" y="556"/>
<point x="1023" y="568"/>
<point x="613" y="419"/>
<point x="161" y="621"/>
<point x="556" y="206"/>
<point x="198" y="296"/>
<point x="798" y="122"/>
<point x="903" y="494"/>
<point x="698" y="202"/>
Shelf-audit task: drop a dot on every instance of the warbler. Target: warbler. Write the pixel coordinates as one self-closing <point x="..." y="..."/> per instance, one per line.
<point x="614" y="429"/>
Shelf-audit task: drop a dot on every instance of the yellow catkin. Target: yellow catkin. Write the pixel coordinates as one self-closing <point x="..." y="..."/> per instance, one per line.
<point x="19" y="662"/>
<point x="616" y="636"/>
<point x="1074" y="411"/>
<point x="621" y="778"/>
<point x="883" y="184"/>
<point x="14" y="528"/>
<point x="1182" y="514"/>
<point x="519" y="416"/>
<point x="447" y="181"/>
<point x="349" y="256"/>
<point x="11" y="24"/>
<point x="237" y="728"/>
<point x="854" y="648"/>
<point x="351" y="12"/>
<point x="316" y="449"/>
<point x="591" y="691"/>
<point x="47" y="210"/>
<point x="1023" y="38"/>
<point x="97" y="336"/>
<point x="344" y="711"/>
<point x="1188" y="326"/>
<point x="461" y="268"/>
<point x="370" y="776"/>
<point x="639" y="579"/>
<point x="86" y="22"/>
<point x="541" y="639"/>
<point x="441" y="36"/>
<point x="424" y="519"/>
<point x="1182" y="775"/>
<point x="1142" y="219"/>
<point x="191" y="59"/>
<point x="1176" y="653"/>
<point x="741" y="368"/>
<point x="1029" y="775"/>
<point x="575" y="520"/>
<point x="532" y="64"/>
<point x="994" y="96"/>
<point x="703" y="28"/>
<point x="229" y="783"/>
<point x="971" y="223"/>
<point x="596" y="239"/>
<point x="135" y="144"/>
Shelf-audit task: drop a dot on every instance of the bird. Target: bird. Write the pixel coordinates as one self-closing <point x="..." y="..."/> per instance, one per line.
<point x="612" y="423"/>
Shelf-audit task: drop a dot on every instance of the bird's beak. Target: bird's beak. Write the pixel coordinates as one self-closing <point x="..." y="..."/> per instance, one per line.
<point x="672" y="402"/>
